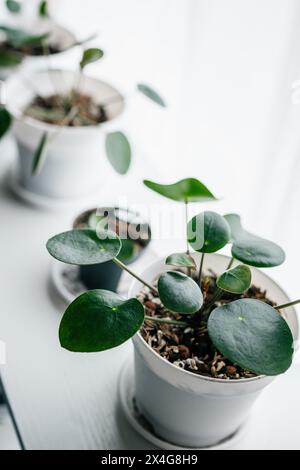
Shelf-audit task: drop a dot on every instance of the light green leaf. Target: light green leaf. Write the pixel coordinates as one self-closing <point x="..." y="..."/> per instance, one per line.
<point x="236" y="280"/>
<point x="84" y="246"/>
<point x="18" y="38"/>
<point x="13" y="6"/>
<point x="253" y="335"/>
<point x="186" y="190"/>
<point x="40" y="154"/>
<point x="208" y="232"/>
<point x="179" y="293"/>
<point x="181" y="260"/>
<point x="43" y="9"/>
<point x="99" y="320"/>
<point x="151" y="94"/>
<point x="118" y="151"/>
<point x="90" y="55"/>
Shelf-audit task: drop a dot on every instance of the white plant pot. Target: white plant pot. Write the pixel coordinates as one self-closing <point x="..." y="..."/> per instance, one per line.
<point x="191" y="410"/>
<point x="76" y="160"/>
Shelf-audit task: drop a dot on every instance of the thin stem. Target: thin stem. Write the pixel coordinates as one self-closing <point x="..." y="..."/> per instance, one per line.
<point x="123" y="266"/>
<point x="166" y="320"/>
<point x="217" y="296"/>
<point x="230" y="264"/>
<point x="186" y="215"/>
<point x="289" y="304"/>
<point x="201" y="267"/>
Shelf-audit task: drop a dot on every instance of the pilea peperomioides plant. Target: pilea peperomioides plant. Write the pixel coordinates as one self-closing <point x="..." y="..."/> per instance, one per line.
<point x="250" y="333"/>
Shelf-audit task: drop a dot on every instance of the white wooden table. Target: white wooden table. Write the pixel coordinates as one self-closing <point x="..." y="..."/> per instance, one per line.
<point x="65" y="401"/>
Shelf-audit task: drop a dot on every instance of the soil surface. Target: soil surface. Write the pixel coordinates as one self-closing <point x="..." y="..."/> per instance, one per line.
<point x="54" y="109"/>
<point x="190" y="348"/>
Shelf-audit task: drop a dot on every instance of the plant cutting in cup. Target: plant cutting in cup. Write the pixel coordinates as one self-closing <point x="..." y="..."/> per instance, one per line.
<point x="17" y="43"/>
<point x="73" y="124"/>
<point x="135" y="235"/>
<point x="210" y="340"/>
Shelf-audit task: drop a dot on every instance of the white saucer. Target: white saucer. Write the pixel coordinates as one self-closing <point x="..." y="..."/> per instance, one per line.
<point x="142" y="427"/>
<point x="44" y="202"/>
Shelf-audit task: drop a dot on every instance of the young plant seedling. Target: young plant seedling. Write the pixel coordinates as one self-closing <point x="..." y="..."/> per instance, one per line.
<point x="248" y="332"/>
<point x="185" y="191"/>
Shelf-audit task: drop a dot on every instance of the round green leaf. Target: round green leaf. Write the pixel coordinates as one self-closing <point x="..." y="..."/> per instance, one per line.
<point x="84" y="246"/>
<point x="151" y="94"/>
<point x="186" y="190"/>
<point x="118" y="151"/>
<point x="208" y="232"/>
<point x="258" y="252"/>
<point x="181" y="260"/>
<point x="237" y="231"/>
<point x="5" y="121"/>
<point x="236" y="280"/>
<point x="90" y="55"/>
<point x="98" y="320"/>
<point x="253" y="335"/>
<point x="179" y="293"/>
<point x="13" y="6"/>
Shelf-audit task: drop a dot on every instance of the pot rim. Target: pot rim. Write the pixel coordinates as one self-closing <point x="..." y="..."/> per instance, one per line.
<point x="138" y="337"/>
<point x="51" y="128"/>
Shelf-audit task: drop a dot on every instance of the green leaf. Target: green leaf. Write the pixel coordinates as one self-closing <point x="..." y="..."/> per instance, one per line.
<point x="84" y="246"/>
<point x="10" y="58"/>
<point x="253" y="335"/>
<point x="208" y="232"/>
<point x="236" y="280"/>
<point x="118" y="151"/>
<point x="258" y="252"/>
<point x="19" y="38"/>
<point x="186" y="190"/>
<point x="5" y="121"/>
<point x="181" y="260"/>
<point x="179" y="293"/>
<point x="90" y="55"/>
<point x="237" y="231"/>
<point x="98" y="320"/>
<point x="13" y="6"/>
<point x="151" y="94"/>
<point x="43" y="9"/>
<point x="40" y="154"/>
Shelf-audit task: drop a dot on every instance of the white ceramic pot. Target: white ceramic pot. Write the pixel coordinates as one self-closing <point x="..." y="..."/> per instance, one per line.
<point x="188" y="409"/>
<point x="76" y="160"/>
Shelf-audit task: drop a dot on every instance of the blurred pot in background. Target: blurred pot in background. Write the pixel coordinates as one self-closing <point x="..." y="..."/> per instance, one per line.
<point x="132" y="229"/>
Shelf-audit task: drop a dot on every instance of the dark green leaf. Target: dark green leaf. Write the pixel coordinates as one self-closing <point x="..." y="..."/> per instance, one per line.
<point x="10" y="58"/>
<point x="98" y="320"/>
<point x="127" y="252"/>
<point x="151" y="94"/>
<point x="118" y="151"/>
<point x="208" y="232"/>
<point x="181" y="260"/>
<point x="43" y="8"/>
<point x="90" y="55"/>
<point x="258" y="252"/>
<point x="179" y="293"/>
<point x="40" y="154"/>
<point x="84" y="246"/>
<point x="19" y="38"/>
<point x="186" y="190"/>
<point x="236" y="280"/>
<point x="13" y="6"/>
<point x="5" y="121"/>
<point x="253" y="335"/>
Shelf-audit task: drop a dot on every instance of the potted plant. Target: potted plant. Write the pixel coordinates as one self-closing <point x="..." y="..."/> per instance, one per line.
<point x="210" y="332"/>
<point x="69" y="127"/>
<point x="134" y="232"/>
<point x="42" y="38"/>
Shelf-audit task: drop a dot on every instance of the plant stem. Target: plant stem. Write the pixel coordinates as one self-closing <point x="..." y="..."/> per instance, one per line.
<point x="217" y="295"/>
<point x="186" y="215"/>
<point x="288" y="304"/>
<point x="166" y="320"/>
<point x="230" y="264"/>
<point x="201" y="267"/>
<point x="123" y="266"/>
